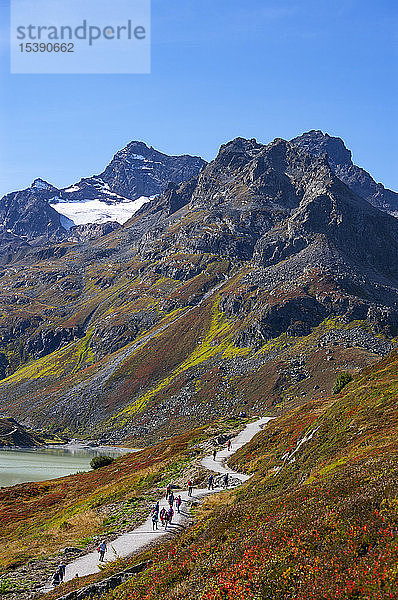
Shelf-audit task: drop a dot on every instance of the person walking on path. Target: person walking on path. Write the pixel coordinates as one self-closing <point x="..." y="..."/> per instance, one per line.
<point x="190" y="486"/>
<point x="214" y="454"/>
<point x="155" y="519"/>
<point x="226" y="480"/>
<point x="168" y="490"/>
<point x="229" y="445"/>
<point x="61" y="570"/>
<point x="211" y="483"/>
<point x="56" y="580"/>
<point x="162" y="515"/>
<point x="171" y="514"/>
<point x="171" y="499"/>
<point x="166" y="520"/>
<point x="178" y="502"/>
<point x="102" y="549"/>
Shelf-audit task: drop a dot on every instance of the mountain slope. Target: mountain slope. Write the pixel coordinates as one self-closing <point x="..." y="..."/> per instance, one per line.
<point x="318" y="518"/>
<point x="250" y="286"/>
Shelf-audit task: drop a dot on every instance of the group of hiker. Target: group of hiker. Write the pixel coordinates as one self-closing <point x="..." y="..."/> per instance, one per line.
<point x="164" y="515"/>
<point x="210" y="481"/>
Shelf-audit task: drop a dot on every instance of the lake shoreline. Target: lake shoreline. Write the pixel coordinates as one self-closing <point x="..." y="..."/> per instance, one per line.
<point x="87" y="446"/>
<point x="53" y="461"/>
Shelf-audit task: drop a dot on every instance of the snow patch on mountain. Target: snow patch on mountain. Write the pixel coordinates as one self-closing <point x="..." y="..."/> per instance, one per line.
<point x="73" y="188"/>
<point x="96" y="211"/>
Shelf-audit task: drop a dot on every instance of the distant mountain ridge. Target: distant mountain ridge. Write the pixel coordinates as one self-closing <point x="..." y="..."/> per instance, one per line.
<point x="43" y="212"/>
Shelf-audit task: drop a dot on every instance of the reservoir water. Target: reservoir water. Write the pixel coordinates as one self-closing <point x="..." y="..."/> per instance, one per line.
<point x="22" y="465"/>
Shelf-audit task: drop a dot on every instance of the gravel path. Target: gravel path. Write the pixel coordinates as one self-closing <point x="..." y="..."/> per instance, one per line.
<point x="137" y="539"/>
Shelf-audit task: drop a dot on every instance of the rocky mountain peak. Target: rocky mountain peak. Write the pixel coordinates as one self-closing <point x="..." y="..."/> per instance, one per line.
<point x="138" y="170"/>
<point x="316" y="142"/>
<point x="237" y="152"/>
<point x="136" y="150"/>
<point x="269" y="203"/>
<point x="41" y="184"/>
<point x="284" y="157"/>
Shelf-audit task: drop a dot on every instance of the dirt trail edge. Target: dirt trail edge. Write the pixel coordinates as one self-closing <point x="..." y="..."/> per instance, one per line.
<point x="138" y="538"/>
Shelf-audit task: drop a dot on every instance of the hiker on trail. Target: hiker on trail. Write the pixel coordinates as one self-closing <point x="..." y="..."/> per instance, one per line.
<point x="190" y="486"/>
<point x="155" y="520"/>
<point x="171" y="514"/>
<point x="211" y="483"/>
<point x="168" y="490"/>
<point x="155" y="509"/>
<point x="226" y="480"/>
<point x="61" y="570"/>
<point x="229" y="445"/>
<point x="171" y="499"/>
<point x="162" y="515"/>
<point x="56" y="580"/>
<point x="101" y="550"/>
<point x="214" y="454"/>
<point x="178" y="502"/>
<point x="166" y="519"/>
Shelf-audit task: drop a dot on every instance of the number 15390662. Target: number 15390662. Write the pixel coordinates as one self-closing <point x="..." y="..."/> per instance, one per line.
<point x="46" y="47"/>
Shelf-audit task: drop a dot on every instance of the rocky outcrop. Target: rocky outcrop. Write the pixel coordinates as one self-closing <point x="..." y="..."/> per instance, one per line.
<point x="110" y="338"/>
<point x="360" y="181"/>
<point x="106" y="585"/>
<point x="91" y="231"/>
<point x="12" y="434"/>
<point x="296" y="316"/>
<point x="46" y="341"/>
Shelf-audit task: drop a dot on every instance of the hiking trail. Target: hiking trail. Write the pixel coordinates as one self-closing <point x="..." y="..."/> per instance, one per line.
<point x="139" y="538"/>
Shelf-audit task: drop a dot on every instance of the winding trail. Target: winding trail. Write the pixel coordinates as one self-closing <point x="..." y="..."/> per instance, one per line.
<point x="138" y="538"/>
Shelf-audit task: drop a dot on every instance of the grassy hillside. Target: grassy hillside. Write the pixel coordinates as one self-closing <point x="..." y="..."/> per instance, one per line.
<point x="147" y="348"/>
<point x="39" y="519"/>
<point x="319" y="518"/>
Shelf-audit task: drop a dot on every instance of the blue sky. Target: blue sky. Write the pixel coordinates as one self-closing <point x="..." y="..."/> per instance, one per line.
<point x="220" y="68"/>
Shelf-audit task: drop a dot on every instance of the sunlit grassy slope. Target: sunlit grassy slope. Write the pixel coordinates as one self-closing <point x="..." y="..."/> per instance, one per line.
<point x="318" y="519"/>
